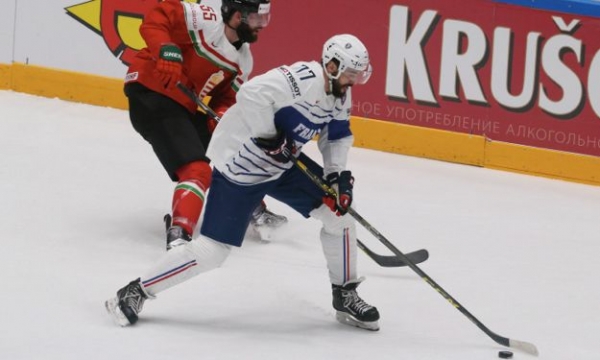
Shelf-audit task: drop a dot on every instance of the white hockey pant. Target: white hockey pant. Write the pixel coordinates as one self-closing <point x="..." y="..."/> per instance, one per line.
<point x="338" y="238"/>
<point x="184" y="262"/>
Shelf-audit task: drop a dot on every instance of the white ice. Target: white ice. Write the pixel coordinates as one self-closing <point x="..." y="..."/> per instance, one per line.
<point x="81" y="204"/>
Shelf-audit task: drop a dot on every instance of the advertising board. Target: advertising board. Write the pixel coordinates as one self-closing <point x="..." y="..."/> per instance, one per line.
<point x="506" y="72"/>
<point x="509" y="84"/>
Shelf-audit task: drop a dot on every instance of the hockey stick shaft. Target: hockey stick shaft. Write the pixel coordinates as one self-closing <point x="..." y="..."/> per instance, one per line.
<point x="385" y="261"/>
<point x="525" y="346"/>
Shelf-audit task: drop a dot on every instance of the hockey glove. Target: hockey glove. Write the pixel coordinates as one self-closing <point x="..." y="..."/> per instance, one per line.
<point x="169" y="65"/>
<point x="342" y="184"/>
<point x="281" y="149"/>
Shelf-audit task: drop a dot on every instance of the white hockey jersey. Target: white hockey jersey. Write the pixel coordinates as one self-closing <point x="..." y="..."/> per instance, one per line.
<point x="288" y="99"/>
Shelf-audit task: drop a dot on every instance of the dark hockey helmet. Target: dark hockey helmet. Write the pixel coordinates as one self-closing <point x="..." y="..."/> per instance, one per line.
<point x="254" y="12"/>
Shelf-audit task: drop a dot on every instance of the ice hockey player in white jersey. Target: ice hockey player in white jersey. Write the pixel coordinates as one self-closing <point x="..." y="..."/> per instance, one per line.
<point x="275" y="114"/>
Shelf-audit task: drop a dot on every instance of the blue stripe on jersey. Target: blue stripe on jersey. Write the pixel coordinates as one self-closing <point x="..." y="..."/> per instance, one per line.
<point x="306" y="106"/>
<point x="250" y="164"/>
<point x="261" y="156"/>
<point x="240" y="166"/>
<point x="337" y="107"/>
<point x="249" y="161"/>
<point x="237" y="173"/>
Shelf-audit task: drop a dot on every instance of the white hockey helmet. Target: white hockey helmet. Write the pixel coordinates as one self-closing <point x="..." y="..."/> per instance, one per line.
<point x="352" y="56"/>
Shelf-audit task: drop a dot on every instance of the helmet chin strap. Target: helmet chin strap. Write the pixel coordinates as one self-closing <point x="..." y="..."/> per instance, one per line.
<point x="239" y="42"/>
<point x="330" y="79"/>
<point x="330" y="89"/>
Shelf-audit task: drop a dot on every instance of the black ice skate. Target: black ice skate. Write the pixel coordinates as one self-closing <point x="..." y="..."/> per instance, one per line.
<point x="128" y="303"/>
<point x="176" y="235"/>
<point x="351" y="309"/>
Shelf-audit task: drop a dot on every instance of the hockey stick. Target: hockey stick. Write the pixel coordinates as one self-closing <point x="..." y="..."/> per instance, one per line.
<point x="406" y="260"/>
<point x="516" y="344"/>
<point x="416" y="257"/>
<point x="521" y="345"/>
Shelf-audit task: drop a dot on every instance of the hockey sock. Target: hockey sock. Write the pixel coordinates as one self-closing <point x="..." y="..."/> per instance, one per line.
<point x="338" y="239"/>
<point x="184" y="262"/>
<point x="189" y="194"/>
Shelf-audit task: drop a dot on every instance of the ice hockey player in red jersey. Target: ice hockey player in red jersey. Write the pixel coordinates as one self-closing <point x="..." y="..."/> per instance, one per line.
<point x="204" y="46"/>
<point x="276" y="113"/>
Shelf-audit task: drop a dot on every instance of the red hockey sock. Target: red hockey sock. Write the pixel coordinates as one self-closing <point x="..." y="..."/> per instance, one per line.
<point x="189" y="194"/>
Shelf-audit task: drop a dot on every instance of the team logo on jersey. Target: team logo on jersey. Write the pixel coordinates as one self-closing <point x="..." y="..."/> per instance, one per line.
<point x="214" y="80"/>
<point x="305" y="132"/>
<point x="117" y="21"/>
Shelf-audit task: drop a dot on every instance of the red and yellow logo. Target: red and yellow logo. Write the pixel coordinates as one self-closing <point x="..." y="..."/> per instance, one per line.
<point x="117" y="21"/>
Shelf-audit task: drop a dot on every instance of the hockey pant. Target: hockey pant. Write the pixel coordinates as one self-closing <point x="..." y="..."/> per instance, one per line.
<point x="338" y="233"/>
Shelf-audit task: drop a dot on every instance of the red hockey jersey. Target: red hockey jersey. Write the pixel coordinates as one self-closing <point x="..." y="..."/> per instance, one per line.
<point x="212" y="66"/>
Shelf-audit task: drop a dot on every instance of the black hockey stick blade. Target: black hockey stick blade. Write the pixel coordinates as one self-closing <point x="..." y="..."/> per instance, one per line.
<point x="416" y="257"/>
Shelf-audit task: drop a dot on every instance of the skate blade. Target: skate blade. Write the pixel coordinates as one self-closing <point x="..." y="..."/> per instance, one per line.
<point x="112" y="307"/>
<point x="348" y="319"/>
<point x="176" y="243"/>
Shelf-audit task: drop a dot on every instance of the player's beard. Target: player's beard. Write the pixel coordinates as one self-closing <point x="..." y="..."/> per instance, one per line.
<point x="337" y="90"/>
<point x="246" y="34"/>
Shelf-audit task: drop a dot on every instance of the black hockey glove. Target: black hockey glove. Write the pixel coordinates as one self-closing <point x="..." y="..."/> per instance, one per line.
<point x="281" y="149"/>
<point x="342" y="183"/>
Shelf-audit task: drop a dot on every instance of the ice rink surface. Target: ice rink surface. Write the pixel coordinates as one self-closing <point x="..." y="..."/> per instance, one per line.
<point x="81" y="204"/>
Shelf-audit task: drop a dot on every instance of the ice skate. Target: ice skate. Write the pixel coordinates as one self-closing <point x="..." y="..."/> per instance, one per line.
<point x="128" y="303"/>
<point x="264" y="222"/>
<point x="176" y="235"/>
<point x="351" y="309"/>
